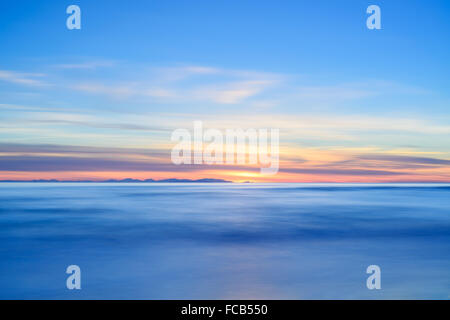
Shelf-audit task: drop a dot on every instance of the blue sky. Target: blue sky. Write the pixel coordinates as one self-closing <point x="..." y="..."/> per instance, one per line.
<point x="320" y="37"/>
<point x="310" y="67"/>
<point x="324" y="42"/>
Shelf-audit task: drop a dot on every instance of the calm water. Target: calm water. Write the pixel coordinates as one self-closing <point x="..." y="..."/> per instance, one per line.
<point x="214" y="241"/>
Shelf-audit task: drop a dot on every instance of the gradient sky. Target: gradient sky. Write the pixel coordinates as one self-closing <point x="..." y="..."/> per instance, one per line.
<point x="352" y="104"/>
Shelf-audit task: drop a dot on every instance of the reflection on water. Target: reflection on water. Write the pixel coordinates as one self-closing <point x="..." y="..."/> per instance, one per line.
<point x="214" y="241"/>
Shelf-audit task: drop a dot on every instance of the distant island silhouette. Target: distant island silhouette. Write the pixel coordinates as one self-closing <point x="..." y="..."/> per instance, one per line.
<point x="173" y="180"/>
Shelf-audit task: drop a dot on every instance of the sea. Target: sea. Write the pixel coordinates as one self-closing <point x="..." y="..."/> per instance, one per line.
<point x="224" y="240"/>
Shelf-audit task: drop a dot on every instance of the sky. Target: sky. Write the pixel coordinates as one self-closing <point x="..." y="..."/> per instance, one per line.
<point x="351" y="104"/>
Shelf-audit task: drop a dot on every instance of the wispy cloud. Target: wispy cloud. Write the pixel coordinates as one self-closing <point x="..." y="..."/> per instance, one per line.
<point x="344" y="172"/>
<point x="231" y="93"/>
<point x="178" y="73"/>
<point x="115" y="91"/>
<point x="348" y="92"/>
<point x="337" y="92"/>
<point x="91" y="65"/>
<point x="29" y="79"/>
<point x="187" y="84"/>
<point x="405" y="159"/>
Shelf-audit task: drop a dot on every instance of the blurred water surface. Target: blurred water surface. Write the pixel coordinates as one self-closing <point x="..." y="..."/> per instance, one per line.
<point x="224" y="241"/>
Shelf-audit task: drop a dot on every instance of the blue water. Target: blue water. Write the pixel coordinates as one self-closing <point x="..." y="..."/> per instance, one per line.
<point x="224" y="241"/>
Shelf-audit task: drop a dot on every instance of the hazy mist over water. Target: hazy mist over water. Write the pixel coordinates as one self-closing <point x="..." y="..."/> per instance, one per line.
<point x="224" y="241"/>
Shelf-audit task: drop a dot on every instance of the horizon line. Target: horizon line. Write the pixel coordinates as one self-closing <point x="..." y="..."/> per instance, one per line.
<point x="210" y="180"/>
